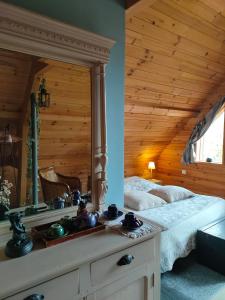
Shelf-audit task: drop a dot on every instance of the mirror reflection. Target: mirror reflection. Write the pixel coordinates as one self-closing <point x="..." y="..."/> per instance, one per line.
<point x="45" y="129"/>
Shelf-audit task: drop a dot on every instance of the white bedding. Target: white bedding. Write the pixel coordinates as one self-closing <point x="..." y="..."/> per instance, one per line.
<point x="180" y="221"/>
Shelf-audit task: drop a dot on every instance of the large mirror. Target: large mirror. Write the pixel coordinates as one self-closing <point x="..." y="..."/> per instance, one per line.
<point x="64" y="138"/>
<point x="61" y="93"/>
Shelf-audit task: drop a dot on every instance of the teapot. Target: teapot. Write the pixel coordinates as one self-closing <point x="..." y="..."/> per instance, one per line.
<point x="84" y="218"/>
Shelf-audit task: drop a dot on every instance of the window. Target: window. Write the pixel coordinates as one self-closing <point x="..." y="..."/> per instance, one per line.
<point x="209" y="148"/>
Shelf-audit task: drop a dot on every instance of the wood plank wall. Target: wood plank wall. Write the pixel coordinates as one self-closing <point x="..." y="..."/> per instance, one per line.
<point x="14" y="76"/>
<point x="65" y="128"/>
<point x="174" y="60"/>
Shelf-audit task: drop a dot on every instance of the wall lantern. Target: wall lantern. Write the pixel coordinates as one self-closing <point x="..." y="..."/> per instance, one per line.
<point x="43" y="95"/>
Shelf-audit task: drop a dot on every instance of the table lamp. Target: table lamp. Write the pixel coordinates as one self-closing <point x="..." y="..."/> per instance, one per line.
<point x="151" y="166"/>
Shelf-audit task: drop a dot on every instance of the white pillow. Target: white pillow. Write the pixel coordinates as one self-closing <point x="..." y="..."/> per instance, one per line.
<point x="139" y="200"/>
<point x="139" y="184"/>
<point x="171" y="193"/>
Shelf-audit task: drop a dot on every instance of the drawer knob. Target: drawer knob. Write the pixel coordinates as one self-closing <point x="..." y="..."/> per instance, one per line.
<point x="125" y="260"/>
<point x="35" y="297"/>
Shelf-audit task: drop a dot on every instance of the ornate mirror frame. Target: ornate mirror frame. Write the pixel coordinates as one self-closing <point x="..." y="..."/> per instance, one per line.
<point x="27" y="32"/>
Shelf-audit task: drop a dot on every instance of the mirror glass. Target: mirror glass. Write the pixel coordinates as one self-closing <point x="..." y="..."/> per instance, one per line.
<point x="62" y="96"/>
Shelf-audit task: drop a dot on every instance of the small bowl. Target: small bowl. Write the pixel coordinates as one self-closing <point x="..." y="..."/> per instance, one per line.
<point x="55" y="230"/>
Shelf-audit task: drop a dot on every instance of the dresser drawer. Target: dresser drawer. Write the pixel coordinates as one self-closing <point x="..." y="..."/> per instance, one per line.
<point x="64" y="287"/>
<point x="107" y="268"/>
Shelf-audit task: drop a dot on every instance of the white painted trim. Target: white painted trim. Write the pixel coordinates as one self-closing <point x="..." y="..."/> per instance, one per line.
<point x="28" y="32"/>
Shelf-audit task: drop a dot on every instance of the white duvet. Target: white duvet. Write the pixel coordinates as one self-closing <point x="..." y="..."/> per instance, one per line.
<point x="180" y="221"/>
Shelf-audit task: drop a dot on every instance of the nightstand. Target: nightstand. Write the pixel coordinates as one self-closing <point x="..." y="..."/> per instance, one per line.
<point x="157" y="181"/>
<point x="211" y="246"/>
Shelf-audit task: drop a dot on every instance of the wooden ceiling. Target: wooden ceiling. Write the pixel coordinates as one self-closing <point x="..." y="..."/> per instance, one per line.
<point x="175" y="58"/>
<point x="14" y="75"/>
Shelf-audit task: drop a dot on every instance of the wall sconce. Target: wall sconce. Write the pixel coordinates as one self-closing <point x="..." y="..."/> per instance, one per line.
<point x="43" y="95"/>
<point x="151" y="166"/>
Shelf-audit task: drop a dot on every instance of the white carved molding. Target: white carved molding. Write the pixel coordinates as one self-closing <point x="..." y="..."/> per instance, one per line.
<point x="28" y="32"/>
<point x="19" y="26"/>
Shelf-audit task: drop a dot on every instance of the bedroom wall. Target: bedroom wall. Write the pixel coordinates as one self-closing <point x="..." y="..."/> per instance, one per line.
<point x="174" y="60"/>
<point x="104" y="17"/>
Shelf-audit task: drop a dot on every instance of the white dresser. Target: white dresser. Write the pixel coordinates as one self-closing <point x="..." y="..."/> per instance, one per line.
<point x="86" y="268"/>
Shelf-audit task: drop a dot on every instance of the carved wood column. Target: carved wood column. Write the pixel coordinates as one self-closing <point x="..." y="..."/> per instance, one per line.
<point x="99" y="180"/>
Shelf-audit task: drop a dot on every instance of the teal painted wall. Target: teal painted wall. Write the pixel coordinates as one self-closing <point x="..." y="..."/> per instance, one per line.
<point x="104" y="17"/>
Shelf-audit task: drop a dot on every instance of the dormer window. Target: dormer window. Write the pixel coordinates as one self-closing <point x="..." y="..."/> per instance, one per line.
<point x="207" y="138"/>
<point x="209" y="148"/>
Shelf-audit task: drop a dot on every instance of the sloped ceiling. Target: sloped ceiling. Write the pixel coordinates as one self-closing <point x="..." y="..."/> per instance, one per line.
<point x="14" y="76"/>
<point x="175" y="58"/>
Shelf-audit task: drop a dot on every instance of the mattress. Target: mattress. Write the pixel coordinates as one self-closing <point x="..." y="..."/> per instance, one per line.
<point x="180" y="221"/>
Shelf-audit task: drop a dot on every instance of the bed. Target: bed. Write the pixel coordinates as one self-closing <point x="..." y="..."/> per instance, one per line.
<point x="179" y="220"/>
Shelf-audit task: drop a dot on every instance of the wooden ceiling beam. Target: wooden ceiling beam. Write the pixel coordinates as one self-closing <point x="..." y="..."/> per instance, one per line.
<point x="135" y="6"/>
<point x="35" y="68"/>
<point x="39" y="68"/>
<point x="148" y="108"/>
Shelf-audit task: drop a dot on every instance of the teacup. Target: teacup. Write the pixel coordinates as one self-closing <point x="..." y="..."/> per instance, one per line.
<point x="56" y="230"/>
<point x="130" y="217"/>
<point x="131" y="220"/>
<point x="112" y="211"/>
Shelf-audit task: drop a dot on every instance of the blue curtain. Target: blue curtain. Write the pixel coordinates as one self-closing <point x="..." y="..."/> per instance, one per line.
<point x="199" y="130"/>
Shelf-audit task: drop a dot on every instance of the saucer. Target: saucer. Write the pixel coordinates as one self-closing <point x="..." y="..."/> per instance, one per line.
<point x="119" y="214"/>
<point x="131" y="227"/>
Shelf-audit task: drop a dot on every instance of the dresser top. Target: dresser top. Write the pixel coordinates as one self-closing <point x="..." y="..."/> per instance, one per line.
<point x="44" y="264"/>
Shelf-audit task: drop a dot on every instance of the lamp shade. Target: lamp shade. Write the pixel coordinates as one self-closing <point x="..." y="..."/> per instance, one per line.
<point x="151" y="165"/>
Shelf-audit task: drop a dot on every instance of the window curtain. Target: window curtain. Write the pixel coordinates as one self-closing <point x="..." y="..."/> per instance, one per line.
<point x="199" y="130"/>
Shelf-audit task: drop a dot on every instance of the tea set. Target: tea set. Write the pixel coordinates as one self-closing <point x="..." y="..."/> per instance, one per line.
<point x="130" y="222"/>
<point x="21" y="244"/>
<point x="83" y="220"/>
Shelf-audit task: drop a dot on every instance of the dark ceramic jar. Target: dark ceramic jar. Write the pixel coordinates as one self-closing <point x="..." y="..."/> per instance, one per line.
<point x="76" y="197"/>
<point x="59" y="202"/>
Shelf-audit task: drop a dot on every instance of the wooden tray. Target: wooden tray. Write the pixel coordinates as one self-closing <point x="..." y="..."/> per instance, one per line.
<point x="39" y="233"/>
